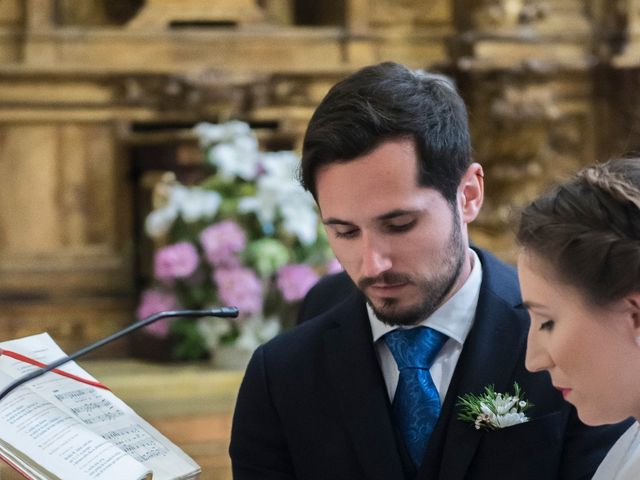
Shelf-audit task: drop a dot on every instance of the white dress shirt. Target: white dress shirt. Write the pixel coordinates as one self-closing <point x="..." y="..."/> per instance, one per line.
<point x="454" y="318"/>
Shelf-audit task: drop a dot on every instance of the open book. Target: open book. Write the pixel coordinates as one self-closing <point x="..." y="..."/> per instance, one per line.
<point x="56" y="427"/>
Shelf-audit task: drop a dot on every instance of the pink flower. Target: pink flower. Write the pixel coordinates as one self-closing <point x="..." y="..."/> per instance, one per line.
<point x="333" y="266"/>
<point x="154" y="301"/>
<point x="295" y="280"/>
<point x="221" y="241"/>
<point x="239" y="287"/>
<point x="179" y="260"/>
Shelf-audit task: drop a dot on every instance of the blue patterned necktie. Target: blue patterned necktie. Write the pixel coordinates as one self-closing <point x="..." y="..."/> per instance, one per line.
<point x="416" y="405"/>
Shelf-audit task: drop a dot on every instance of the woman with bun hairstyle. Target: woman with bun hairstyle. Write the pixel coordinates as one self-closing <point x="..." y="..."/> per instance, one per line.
<point x="579" y="270"/>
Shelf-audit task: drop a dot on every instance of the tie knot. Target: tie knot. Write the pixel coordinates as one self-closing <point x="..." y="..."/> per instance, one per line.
<point x="415" y="347"/>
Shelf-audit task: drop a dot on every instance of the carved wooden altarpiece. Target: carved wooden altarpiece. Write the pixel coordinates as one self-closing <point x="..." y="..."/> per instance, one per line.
<point x="97" y="98"/>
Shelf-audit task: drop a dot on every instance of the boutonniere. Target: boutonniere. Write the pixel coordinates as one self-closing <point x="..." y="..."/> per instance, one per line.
<point x="493" y="410"/>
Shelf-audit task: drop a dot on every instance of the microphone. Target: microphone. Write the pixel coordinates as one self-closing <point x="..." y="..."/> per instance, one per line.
<point x="224" y="312"/>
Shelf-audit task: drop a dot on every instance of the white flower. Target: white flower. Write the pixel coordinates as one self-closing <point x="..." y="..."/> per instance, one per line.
<point x="199" y="204"/>
<point x="493" y="410"/>
<point x="252" y="189"/>
<point x="278" y="192"/>
<point x="209" y="133"/>
<point x="265" y="203"/>
<point x="509" y="419"/>
<point x="212" y="330"/>
<point x="300" y="217"/>
<point x="481" y="420"/>
<point x="256" y="330"/>
<point x="192" y="204"/>
<point x="484" y="408"/>
<point x="239" y="157"/>
<point x="159" y="221"/>
<point x="501" y="413"/>
<point x="502" y="404"/>
<point x="177" y="195"/>
<point x="282" y="165"/>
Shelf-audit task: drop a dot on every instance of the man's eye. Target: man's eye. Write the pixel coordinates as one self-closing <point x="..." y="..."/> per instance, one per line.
<point x="346" y="233"/>
<point x="548" y="325"/>
<point x="402" y="227"/>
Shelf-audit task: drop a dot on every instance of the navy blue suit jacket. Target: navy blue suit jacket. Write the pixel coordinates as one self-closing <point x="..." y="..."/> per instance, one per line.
<point x="313" y="403"/>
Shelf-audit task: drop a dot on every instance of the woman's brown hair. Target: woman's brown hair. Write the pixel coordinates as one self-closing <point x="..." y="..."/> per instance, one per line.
<point x="588" y="230"/>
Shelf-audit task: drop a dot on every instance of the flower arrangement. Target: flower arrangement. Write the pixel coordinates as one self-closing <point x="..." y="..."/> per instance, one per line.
<point x="247" y="236"/>
<point x="492" y="411"/>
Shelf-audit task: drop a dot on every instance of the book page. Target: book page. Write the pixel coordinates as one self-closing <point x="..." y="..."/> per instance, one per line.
<point x="60" y="444"/>
<point x="98" y="410"/>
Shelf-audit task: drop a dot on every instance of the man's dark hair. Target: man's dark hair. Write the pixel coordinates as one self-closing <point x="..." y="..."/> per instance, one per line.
<point x="387" y="102"/>
<point x="587" y="230"/>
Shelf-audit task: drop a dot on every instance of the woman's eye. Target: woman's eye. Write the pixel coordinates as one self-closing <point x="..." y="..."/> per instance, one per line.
<point x="548" y="325"/>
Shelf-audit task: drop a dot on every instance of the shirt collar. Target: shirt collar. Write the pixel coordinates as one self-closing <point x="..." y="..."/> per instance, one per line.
<point x="454" y="318"/>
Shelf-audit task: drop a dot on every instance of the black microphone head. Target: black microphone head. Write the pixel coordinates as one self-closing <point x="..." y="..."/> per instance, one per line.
<point x="226" y="312"/>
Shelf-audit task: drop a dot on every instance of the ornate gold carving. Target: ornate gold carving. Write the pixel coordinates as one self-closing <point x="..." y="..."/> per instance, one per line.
<point x="492" y="14"/>
<point x="398" y="13"/>
<point x="70" y="93"/>
<point x="529" y="133"/>
<point x="160" y="14"/>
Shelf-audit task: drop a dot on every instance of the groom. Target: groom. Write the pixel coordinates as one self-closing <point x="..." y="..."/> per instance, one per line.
<point x="368" y="388"/>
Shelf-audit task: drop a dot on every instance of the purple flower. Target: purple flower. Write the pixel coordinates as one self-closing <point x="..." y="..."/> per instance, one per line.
<point x="239" y="287"/>
<point x="295" y="280"/>
<point x="179" y="260"/>
<point x="221" y="241"/>
<point x="333" y="266"/>
<point x="154" y="301"/>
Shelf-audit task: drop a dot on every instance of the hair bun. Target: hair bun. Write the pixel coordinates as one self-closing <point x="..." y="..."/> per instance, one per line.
<point x="612" y="183"/>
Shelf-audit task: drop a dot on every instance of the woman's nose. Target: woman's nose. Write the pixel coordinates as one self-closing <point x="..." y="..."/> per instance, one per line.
<point x="537" y="358"/>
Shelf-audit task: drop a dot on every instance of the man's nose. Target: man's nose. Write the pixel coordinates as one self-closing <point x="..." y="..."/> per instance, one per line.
<point x="537" y="358"/>
<point x="375" y="257"/>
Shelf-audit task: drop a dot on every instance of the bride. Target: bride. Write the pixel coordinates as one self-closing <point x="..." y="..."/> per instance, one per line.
<point x="579" y="271"/>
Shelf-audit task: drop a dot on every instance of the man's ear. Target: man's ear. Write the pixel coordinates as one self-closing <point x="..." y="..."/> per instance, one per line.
<point x="632" y="302"/>
<point x="471" y="193"/>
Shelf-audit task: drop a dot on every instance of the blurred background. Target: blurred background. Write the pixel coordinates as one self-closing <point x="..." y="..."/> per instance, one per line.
<point x="98" y="100"/>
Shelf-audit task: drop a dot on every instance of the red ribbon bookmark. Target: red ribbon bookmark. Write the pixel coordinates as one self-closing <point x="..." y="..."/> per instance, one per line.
<point x="31" y="361"/>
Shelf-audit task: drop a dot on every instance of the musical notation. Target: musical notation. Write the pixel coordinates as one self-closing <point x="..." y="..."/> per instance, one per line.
<point x="88" y="406"/>
<point x="135" y="441"/>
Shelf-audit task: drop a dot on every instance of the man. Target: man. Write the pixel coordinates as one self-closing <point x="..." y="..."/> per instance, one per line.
<point x="387" y="157"/>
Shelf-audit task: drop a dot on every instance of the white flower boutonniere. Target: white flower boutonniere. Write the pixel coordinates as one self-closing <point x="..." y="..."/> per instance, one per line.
<point x="492" y="410"/>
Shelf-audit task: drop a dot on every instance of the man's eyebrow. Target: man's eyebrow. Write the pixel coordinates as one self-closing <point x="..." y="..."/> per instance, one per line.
<point x="397" y="213"/>
<point x="385" y="216"/>
<point x="335" y="221"/>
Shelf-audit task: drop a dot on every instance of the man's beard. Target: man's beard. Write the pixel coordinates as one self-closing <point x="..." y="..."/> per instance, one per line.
<point x="432" y="290"/>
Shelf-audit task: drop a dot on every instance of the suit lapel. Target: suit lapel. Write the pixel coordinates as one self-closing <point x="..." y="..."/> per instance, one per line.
<point x="353" y="370"/>
<point x="489" y="357"/>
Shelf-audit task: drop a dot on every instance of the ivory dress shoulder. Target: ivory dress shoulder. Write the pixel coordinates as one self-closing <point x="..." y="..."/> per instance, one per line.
<point x="623" y="460"/>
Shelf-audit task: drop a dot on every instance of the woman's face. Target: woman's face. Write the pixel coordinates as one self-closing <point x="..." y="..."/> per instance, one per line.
<point x="590" y="352"/>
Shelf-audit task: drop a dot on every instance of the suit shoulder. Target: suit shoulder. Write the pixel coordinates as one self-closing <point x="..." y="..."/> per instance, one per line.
<point x="299" y="341"/>
<point x="499" y="278"/>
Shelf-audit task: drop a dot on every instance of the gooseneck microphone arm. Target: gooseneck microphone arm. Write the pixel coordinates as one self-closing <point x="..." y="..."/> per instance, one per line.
<point x="224" y="312"/>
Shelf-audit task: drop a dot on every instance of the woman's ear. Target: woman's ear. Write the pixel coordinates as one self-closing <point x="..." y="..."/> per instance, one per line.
<point x="471" y="192"/>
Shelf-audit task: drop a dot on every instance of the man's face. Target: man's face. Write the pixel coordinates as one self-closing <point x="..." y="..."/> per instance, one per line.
<point x="402" y="244"/>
